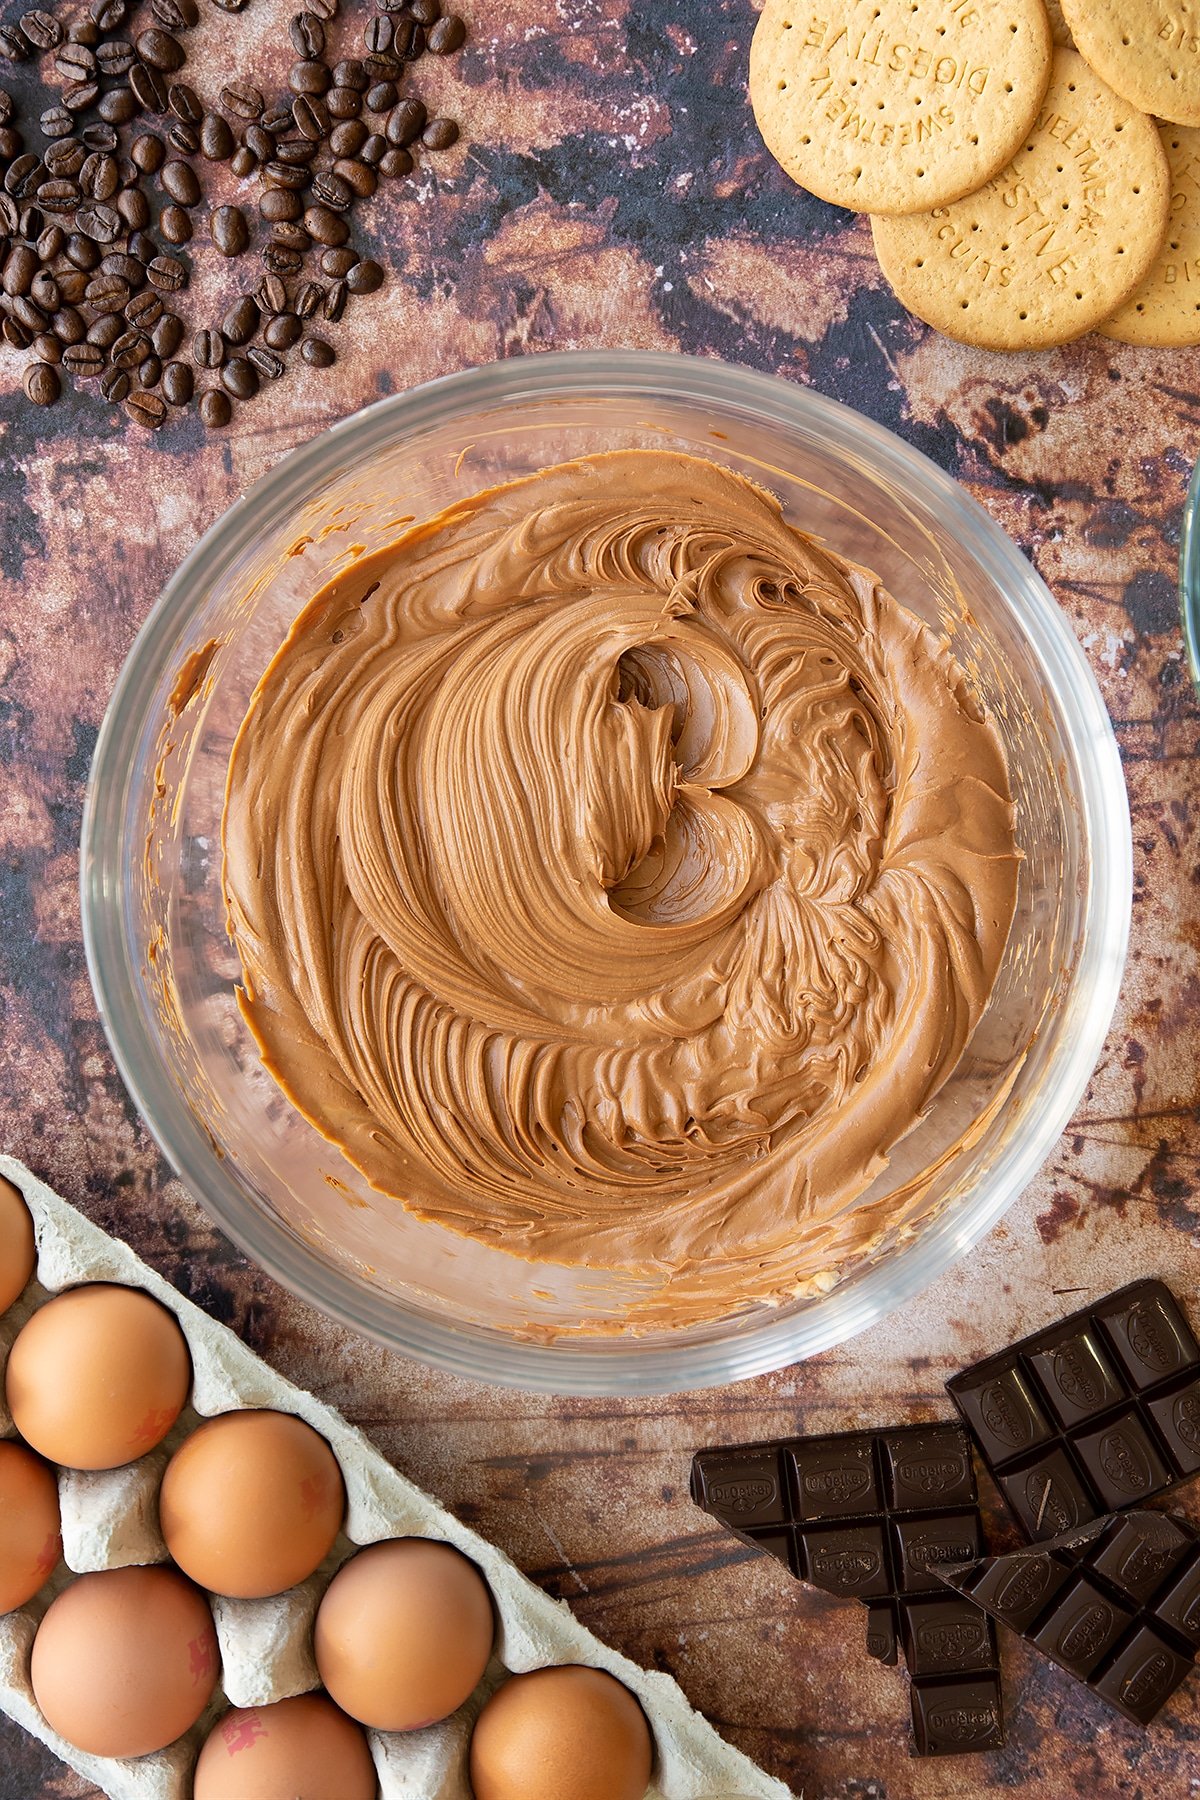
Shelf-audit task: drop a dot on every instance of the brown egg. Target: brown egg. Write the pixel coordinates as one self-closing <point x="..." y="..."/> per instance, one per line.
<point x="125" y="1661"/>
<point x="18" y="1252"/>
<point x="251" y="1503"/>
<point x="295" y="1747"/>
<point x="561" y="1734"/>
<point x="404" y="1633"/>
<point x="30" y="1538"/>
<point x="98" y="1376"/>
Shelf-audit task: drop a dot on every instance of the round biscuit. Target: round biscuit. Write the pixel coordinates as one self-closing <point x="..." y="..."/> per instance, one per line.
<point x="1165" y="310"/>
<point x="894" y="106"/>
<point x="1056" y="242"/>
<point x="1148" y="50"/>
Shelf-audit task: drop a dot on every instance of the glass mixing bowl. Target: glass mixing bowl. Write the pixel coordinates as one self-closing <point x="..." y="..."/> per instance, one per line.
<point x="164" y="970"/>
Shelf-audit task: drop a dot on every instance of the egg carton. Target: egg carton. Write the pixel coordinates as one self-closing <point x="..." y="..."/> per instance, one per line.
<point x="110" y="1520"/>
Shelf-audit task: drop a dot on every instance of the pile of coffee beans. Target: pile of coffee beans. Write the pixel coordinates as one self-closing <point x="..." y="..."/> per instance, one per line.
<point x="100" y="197"/>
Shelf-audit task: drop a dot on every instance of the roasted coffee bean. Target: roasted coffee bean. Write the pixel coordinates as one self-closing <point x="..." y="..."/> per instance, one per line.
<point x="271" y="294"/>
<point x="75" y="62"/>
<point x="57" y="122"/>
<point x="47" y="348"/>
<point x="243" y="163"/>
<point x="383" y="68"/>
<point x="83" y="30"/>
<point x="134" y="208"/>
<point x="104" y="331"/>
<point x="184" y="102"/>
<point x="229" y="231"/>
<point x="82" y="252"/>
<point x="394" y="163"/>
<point x="58" y="196"/>
<point x="175" y="15"/>
<point x="81" y="95"/>
<point x="143" y="246"/>
<point x="178" y="383"/>
<point x="20" y="267"/>
<point x="130" y="268"/>
<point x="351" y="73"/>
<point x="146" y="409"/>
<point x="116" y="57"/>
<point x="208" y="349"/>
<point x="282" y="331"/>
<point x="259" y="141"/>
<point x="23" y="175"/>
<point x="167" y="335"/>
<point x="230" y="6"/>
<point x="149" y="88"/>
<point x="343" y="103"/>
<point x="65" y="158"/>
<point x="160" y="50"/>
<point x="325" y="226"/>
<point x="240" y="378"/>
<point x="268" y="364"/>
<point x="144" y="311"/>
<point x="149" y="371"/>
<point x="290" y="234"/>
<point x="127" y="172"/>
<point x="216" y="139"/>
<point x="379" y="34"/>
<point x="337" y="263"/>
<point x="309" y="77"/>
<point x="175" y="224"/>
<point x="280" y="260"/>
<point x="446" y="35"/>
<point x="317" y="352"/>
<point x="71" y="285"/>
<point x="242" y="99"/>
<point x="277" y="119"/>
<point x="84" y="361"/>
<point x="130" y="349"/>
<point x="10" y="216"/>
<point x="439" y="134"/>
<point x="178" y="179"/>
<point x="425" y="12"/>
<point x="347" y="137"/>
<point x="11" y="143"/>
<point x="406" y="123"/>
<point x="114" y="385"/>
<point x="357" y="177"/>
<point x="108" y="293"/>
<point x="50" y="243"/>
<point x="14" y="333"/>
<point x="167" y="273"/>
<point x="99" y="222"/>
<point x="184" y="139"/>
<point x="334" y="303"/>
<point x="215" y="409"/>
<point x="297" y="152"/>
<point x="241" y="321"/>
<point x="42" y="29"/>
<point x="310" y="115"/>
<point x="6" y="107"/>
<point x="278" y="203"/>
<point x="43" y="290"/>
<point x="42" y="384"/>
<point x="33" y="317"/>
<point x="332" y="191"/>
<point x="308" y="298"/>
<point x="307" y="34"/>
<point x="382" y="97"/>
<point x="365" y="277"/>
<point x="98" y="176"/>
<point x="410" y="39"/>
<point x="109" y="15"/>
<point x="285" y="175"/>
<point x="14" y="45"/>
<point x="147" y="152"/>
<point x="31" y="222"/>
<point x="373" y="150"/>
<point x="118" y="107"/>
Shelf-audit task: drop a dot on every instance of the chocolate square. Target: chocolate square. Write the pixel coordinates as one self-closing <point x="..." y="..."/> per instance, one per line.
<point x="1122" y="1462"/>
<point x="1138" y="1557"/>
<point x="930" y="1468"/>
<point x="1048" y="1498"/>
<point x="1177" y="1416"/>
<point x="849" y="1561"/>
<point x="1143" y="1675"/>
<point x="833" y="1477"/>
<point x="1004" y="1415"/>
<point x="882" y="1641"/>
<point x="1179" y="1606"/>
<point x="778" y="1544"/>
<point x="1016" y="1588"/>
<point x="946" y="1637"/>
<point x="740" y="1487"/>
<point x="925" y="1544"/>
<point x="1077" y="1378"/>
<point x="1150" y="1335"/>
<point x="953" y="1718"/>
<point x="1083" y="1623"/>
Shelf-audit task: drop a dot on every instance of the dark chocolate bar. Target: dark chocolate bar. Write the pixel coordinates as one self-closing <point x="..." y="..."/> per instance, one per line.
<point x="1117" y="1604"/>
<point x="872" y="1516"/>
<point x="1094" y="1414"/>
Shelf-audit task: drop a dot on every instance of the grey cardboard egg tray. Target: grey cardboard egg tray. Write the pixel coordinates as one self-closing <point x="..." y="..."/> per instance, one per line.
<point x="110" y="1520"/>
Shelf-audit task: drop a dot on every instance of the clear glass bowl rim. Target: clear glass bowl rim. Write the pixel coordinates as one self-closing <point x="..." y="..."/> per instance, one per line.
<point x="592" y="1366"/>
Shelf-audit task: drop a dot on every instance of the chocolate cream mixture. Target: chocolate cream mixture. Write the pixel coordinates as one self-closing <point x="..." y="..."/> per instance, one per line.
<point x="616" y="877"/>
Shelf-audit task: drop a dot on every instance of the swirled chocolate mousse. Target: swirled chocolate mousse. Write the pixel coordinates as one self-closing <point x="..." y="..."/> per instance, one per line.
<point x="617" y="876"/>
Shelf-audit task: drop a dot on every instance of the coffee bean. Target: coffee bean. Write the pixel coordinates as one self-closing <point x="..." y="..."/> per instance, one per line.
<point x="116" y="57"/>
<point x="149" y="88"/>
<point x="130" y="269"/>
<point x="118" y="107"/>
<point x="22" y="176"/>
<point x="241" y="321"/>
<point x="230" y="6"/>
<point x="109" y="15"/>
<point x="334" y="304"/>
<point x="83" y="29"/>
<point x="47" y="348"/>
<point x="58" y="196"/>
<point x="296" y="152"/>
<point x="184" y="102"/>
<point x="98" y="176"/>
<point x="57" y="122"/>
<point x="81" y="252"/>
<point x="325" y="226"/>
<point x="31" y="222"/>
<point x="290" y="234"/>
<point x="32" y="316"/>
<point x="276" y="204"/>
<point x="99" y="222"/>
<point x="114" y="385"/>
<point x="325" y="10"/>
<point x="167" y="335"/>
<point x="6" y="107"/>
<point x="283" y="331"/>
<point x="268" y="364"/>
<point x="84" y="361"/>
<point x="66" y="157"/>
<point x="425" y="12"/>
<point x="286" y="175"/>
<point x="240" y="378"/>
<point x="134" y="208"/>
<point x="183" y="139"/>
<point x="243" y="163"/>
<point x="348" y="137"/>
<point x="149" y="371"/>
<point x="259" y="141"/>
<point x="81" y="95"/>
<point x="395" y="163"/>
<point x="104" y="331"/>
<point x="75" y="62"/>
<point x="271" y="294"/>
<point x="277" y="119"/>
<point x="160" y="50"/>
<point x="130" y="349"/>
<point x="216" y="139"/>
<point x="147" y="153"/>
<point x="337" y="263"/>
<point x="343" y="103"/>
<point x="406" y="123"/>
<point x="20" y="267"/>
<point x="364" y="278"/>
<point x="144" y="311"/>
<point x="14" y="333"/>
<point x="146" y="409"/>
<point x="382" y="97"/>
<point x="280" y="260"/>
<point x="44" y="292"/>
<point x="175" y="15"/>
<point x="307" y="34"/>
<point x="379" y="34"/>
<point x="351" y="73"/>
<point x="229" y="231"/>
<point x="14" y="45"/>
<point x="310" y="116"/>
<point x="242" y="99"/>
<point x="208" y="349"/>
<point x="358" y="178"/>
<point x="446" y="35"/>
<point x="439" y="134"/>
<point x="42" y="29"/>
<point x="332" y="191"/>
<point x="177" y="383"/>
<point x="108" y="294"/>
<point x="317" y="353"/>
<point x="175" y="224"/>
<point x="374" y="149"/>
<point x="50" y="244"/>
<point x="309" y="77"/>
<point x="410" y="39"/>
<point x="215" y="409"/>
<point x="42" y="385"/>
<point x="178" y="179"/>
<point x="167" y="273"/>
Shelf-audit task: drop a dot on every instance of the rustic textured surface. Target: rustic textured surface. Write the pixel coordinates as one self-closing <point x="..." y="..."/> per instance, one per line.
<point x="612" y="191"/>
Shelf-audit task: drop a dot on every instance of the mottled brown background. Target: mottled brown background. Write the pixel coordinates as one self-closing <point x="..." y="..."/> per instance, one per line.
<point x="611" y="190"/>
